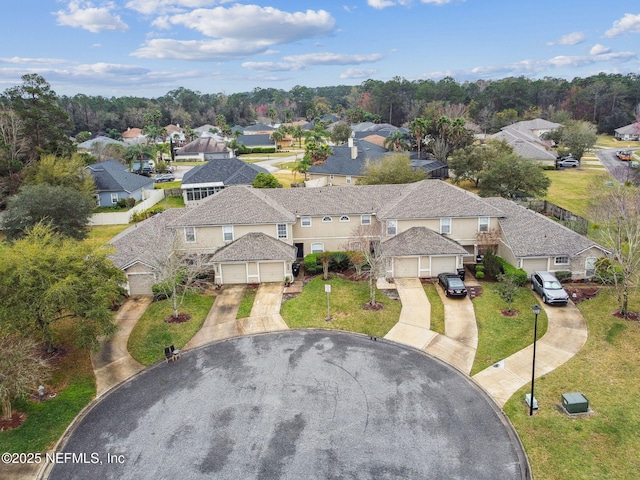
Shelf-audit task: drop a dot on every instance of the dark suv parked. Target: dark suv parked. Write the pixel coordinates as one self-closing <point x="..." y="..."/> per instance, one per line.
<point x="452" y="285"/>
<point x="549" y="288"/>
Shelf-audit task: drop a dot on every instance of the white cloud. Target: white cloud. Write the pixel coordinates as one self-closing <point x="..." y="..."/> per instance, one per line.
<point x="356" y="73"/>
<point x="573" y="38"/>
<point x="630" y="23"/>
<point x="223" y="49"/>
<point x="598" y="49"/>
<point x="160" y="7"/>
<point x="380" y="4"/>
<point x="82" y="14"/>
<point x="332" y="58"/>
<point x="253" y="22"/>
<point x="27" y="60"/>
<point x="273" y="66"/>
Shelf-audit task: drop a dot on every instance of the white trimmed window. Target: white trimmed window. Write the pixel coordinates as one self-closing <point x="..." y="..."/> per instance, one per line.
<point x="282" y="231"/>
<point x="189" y="234"/>
<point x="345" y="218"/>
<point x="365" y="219"/>
<point x="483" y="224"/>
<point x="348" y="180"/>
<point x="227" y="233"/>
<point x="445" y="225"/>
<point x="392" y="227"/>
<point x="114" y="198"/>
<point x="305" y="221"/>
<point x="317" y="247"/>
<point x="327" y="219"/>
<point x="561" y="261"/>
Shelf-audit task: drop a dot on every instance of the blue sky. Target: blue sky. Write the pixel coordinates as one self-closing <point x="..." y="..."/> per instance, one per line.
<point x="149" y="47"/>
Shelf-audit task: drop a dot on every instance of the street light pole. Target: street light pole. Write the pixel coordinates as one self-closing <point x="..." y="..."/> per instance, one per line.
<point x="536" y="311"/>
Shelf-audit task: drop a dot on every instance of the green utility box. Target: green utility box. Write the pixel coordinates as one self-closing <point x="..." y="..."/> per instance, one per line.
<point x="575" y="403"/>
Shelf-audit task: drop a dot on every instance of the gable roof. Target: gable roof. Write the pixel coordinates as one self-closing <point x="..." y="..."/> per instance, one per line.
<point x="100" y="140"/>
<point x="525" y="144"/>
<point x="631" y="129"/>
<point x="341" y="163"/>
<point x="530" y="234"/>
<point x="255" y="246"/>
<point x="259" y="127"/>
<point x="239" y="205"/>
<point x="112" y="176"/>
<point x="532" y="125"/>
<point x="203" y="145"/>
<point x="421" y="241"/>
<point x="224" y="171"/>
<point x="256" y="140"/>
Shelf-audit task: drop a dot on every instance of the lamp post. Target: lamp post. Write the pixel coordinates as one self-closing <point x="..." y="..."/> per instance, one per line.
<point x="536" y="311"/>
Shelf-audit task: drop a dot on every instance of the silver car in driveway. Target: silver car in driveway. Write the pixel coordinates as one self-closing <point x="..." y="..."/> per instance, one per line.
<point x="549" y="288"/>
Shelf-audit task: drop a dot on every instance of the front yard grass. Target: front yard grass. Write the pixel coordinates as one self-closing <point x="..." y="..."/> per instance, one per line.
<point x="571" y="188"/>
<point x="437" y="308"/>
<point x="309" y="309"/>
<point x="602" y="445"/>
<point x="73" y="381"/>
<point x="500" y="336"/>
<point x="152" y="334"/>
<point x="246" y="303"/>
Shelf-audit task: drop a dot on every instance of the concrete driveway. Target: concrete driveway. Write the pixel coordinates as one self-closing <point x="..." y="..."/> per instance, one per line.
<point x="312" y="404"/>
<point x="566" y="334"/>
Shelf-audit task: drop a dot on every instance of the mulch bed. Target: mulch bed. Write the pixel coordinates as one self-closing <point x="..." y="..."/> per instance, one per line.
<point x="373" y="306"/>
<point x="181" y="318"/>
<point x="15" y="421"/>
<point x="579" y="293"/>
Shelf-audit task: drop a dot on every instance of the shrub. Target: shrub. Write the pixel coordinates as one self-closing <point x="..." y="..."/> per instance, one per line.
<point x="122" y="203"/>
<point x="496" y="266"/>
<point x="563" y="276"/>
<point x="339" y="261"/>
<point x="492" y="266"/>
<point x="131" y="202"/>
<point x="480" y="268"/>
<point x="311" y="264"/>
<point x="607" y="273"/>
<point x="479" y="274"/>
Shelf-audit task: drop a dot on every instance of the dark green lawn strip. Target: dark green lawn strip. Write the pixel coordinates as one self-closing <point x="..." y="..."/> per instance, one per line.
<point x="437" y="308"/>
<point x="246" y="304"/>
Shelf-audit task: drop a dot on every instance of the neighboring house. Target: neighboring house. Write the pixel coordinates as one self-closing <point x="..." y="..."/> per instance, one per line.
<point x="425" y="228"/>
<point x="533" y="242"/>
<point x="134" y="246"/>
<point x="526" y="139"/>
<point x="204" y="149"/>
<point x="175" y="134"/>
<point x="205" y="180"/>
<point x="256" y="140"/>
<point x="98" y="142"/>
<point x="434" y="168"/>
<point x="133" y="136"/>
<point x="114" y="182"/>
<point x="258" y="129"/>
<point x="345" y="165"/>
<point x="364" y="129"/>
<point x="628" y="133"/>
<point x="207" y="128"/>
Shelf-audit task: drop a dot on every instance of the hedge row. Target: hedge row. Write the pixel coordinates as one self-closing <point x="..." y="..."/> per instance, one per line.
<point x="339" y="262"/>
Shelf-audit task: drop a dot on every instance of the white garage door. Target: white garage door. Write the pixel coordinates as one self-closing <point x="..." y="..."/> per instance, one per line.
<point x="140" y="283"/>
<point x="272" y="272"/>
<point x="234" y="273"/>
<point x="405" y="267"/>
<point x="531" y="265"/>
<point x="442" y="265"/>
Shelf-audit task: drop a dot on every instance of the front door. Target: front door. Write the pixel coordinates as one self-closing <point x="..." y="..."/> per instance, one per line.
<point x="299" y="250"/>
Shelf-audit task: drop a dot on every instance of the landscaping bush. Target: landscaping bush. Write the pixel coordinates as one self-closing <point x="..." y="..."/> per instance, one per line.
<point x="131" y="202"/>
<point x="563" y="276"/>
<point x="479" y="268"/>
<point x="479" y="274"/>
<point x="607" y="273"/>
<point x="339" y="262"/>
<point x="520" y="277"/>
<point x="492" y="265"/>
<point x="122" y="203"/>
<point x="496" y="266"/>
<point x="311" y="264"/>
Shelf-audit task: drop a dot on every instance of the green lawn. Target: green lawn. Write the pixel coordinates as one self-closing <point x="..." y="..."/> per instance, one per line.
<point x="604" y="445"/>
<point x="167" y="185"/>
<point x="500" y="336"/>
<point x="74" y="381"/>
<point x="246" y="304"/>
<point x="101" y="234"/>
<point x="309" y="309"/>
<point x="437" y="308"/>
<point x="151" y="334"/>
<point x="570" y="189"/>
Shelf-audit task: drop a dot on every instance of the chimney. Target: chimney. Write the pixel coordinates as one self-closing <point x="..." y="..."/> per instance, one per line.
<point x="354" y="152"/>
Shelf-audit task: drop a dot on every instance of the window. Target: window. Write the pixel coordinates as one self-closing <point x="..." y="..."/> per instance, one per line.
<point x="365" y="219"/>
<point x="282" y="231"/>
<point x="345" y="218"/>
<point x="114" y="198"/>
<point x="227" y="233"/>
<point x="392" y="227"/>
<point x="590" y="266"/>
<point x="305" y="221"/>
<point x="483" y="224"/>
<point x="317" y="247"/>
<point x="327" y="219"/>
<point x="189" y="234"/>
<point x="348" y="180"/>
<point x="561" y="261"/>
<point x="445" y="225"/>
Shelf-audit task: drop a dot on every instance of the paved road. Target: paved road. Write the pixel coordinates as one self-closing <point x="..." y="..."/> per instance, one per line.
<point x="299" y="404"/>
<point x="618" y="169"/>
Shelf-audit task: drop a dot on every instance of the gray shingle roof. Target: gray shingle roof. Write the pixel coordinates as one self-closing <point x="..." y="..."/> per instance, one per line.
<point x="421" y="241"/>
<point x="112" y="176"/>
<point x="229" y="171"/>
<point x="525" y="145"/>
<point x="255" y="247"/>
<point x="203" y="145"/>
<point x="340" y="162"/>
<point x="530" y="234"/>
<point x="631" y="129"/>
<point x="257" y="140"/>
<point x="239" y="205"/>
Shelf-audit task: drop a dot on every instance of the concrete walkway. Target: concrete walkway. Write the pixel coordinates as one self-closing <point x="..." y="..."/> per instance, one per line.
<point x="566" y="334"/>
<point x="112" y="363"/>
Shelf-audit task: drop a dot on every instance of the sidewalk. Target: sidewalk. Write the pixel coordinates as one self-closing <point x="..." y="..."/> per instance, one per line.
<point x="566" y="334"/>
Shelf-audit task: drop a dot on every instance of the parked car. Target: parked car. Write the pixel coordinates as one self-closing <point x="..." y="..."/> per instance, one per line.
<point x="624" y="155"/>
<point x="165" y="177"/>
<point x="567" y="162"/>
<point x="452" y="285"/>
<point x="549" y="288"/>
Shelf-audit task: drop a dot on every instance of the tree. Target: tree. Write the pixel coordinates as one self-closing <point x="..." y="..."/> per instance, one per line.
<point x="468" y="163"/>
<point x="265" y="180"/>
<point x="21" y="370"/>
<point x="303" y="165"/>
<point x="298" y="134"/>
<point x="391" y="169"/>
<point x="511" y="176"/>
<point x="64" y="172"/>
<point x="341" y="133"/>
<point x="14" y="150"/>
<point x="325" y="258"/>
<point x="507" y="289"/>
<point x="136" y="153"/>
<point x="65" y="209"/>
<point x="45" y="278"/>
<point x="47" y="126"/>
<point x="419" y="128"/>
<point x="615" y="211"/>
<point x="365" y="239"/>
<point x="397" y="141"/>
<point x="576" y="136"/>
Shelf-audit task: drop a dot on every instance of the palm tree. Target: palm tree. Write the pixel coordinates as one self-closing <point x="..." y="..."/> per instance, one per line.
<point x="419" y="128"/>
<point x="137" y="152"/>
<point x="396" y="141"/>
<point x="299" y="134"/>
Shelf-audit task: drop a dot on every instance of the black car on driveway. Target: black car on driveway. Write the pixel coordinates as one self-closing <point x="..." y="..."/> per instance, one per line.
<point x="452" y="285"/>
